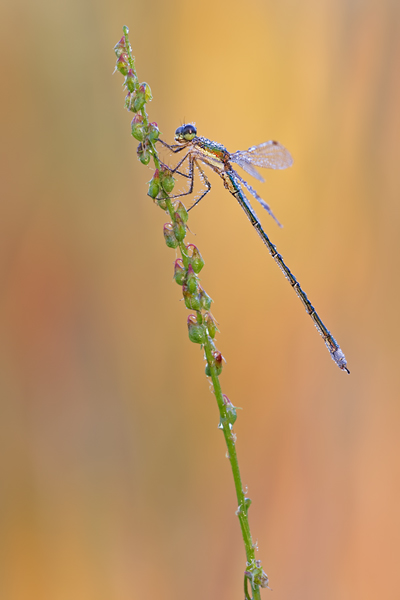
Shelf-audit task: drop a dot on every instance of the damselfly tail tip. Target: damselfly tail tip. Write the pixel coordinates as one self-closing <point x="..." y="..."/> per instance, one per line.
<point x="340" y="359"/>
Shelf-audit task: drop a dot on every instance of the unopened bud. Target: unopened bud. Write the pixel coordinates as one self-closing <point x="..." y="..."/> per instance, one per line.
<point x="154" y="185"/>
<point x="181" y="210"/>
<point x="169" y="236"/>
<point x="179" y="272"/>
<point x="205" y="299"/>
<point x="130" y="80"/>
<point x="138" y="128"/>
<point x="122" y="64"/>
<point x="196" y="331"/>
<point x="179" y="228"/>
<point x="196" y="259"/>
<point x="120" y="47"/>
<point x="210" y="324"/>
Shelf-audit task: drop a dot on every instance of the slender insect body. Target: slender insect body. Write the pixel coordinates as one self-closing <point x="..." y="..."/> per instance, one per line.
<point x="268" y="155"/>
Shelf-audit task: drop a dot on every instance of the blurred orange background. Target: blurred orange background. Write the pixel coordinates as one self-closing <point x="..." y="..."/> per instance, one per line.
<point x="114" y="481"/>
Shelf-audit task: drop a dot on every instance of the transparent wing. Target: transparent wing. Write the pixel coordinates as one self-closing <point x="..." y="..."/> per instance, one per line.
<point x="270" y="155"/>
<point x="248" y="167"/>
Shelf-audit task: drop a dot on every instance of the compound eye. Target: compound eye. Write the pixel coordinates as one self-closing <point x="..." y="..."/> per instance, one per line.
<point x="178" y="132"/>
<point x="189" y="132"/>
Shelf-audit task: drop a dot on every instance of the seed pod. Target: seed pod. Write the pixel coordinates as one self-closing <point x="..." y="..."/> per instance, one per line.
<point x="230" y="410"/>
<point x="162" y="203"/>
<point x="154" y="185"/>
<point x="120" y="47"/>
<point x="196" y="331"/>
<point x="192" y="301"/>
<point x="179" y="228"/>
<point x="130" y="81"/>
<point x="143" y="154"/>
<point x="191" y="280"/>
<point x="137" y="128"/>
<point x="122" y="64"/>
<point x="205" y="299"/>
<point x="196" y="259"/>
<point x="167" y="181"/>
<point x="145" y="89"/>
<point x="154" y="132"/>
<point x="139" y="101"/>
<point x="210" y="324"/>
<point x="216" y="362"/>
<point x="169" y="236"/>
<point x="181" y="210"/>
<point x="179" y="272"/>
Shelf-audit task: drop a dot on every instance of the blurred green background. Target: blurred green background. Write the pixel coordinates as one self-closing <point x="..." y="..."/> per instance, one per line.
<point x="114" y="481"/>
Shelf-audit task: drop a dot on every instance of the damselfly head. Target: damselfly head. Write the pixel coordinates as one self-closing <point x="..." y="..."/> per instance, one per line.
<point x="185" y="133"/>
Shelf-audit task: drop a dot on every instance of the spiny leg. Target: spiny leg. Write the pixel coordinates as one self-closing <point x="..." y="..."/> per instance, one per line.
<point x="205" y="180"/>
<point x="174" y="171"/>
<point x="189" y="175"/>
<point x="173" y="147"/>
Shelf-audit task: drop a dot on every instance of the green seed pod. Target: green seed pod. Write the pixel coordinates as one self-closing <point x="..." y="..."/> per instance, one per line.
<point x="181" y="210"/>
<point x="154" y="188"/>
<point x="145" y="158"/>
<point x="196" y="331"/>
<point x="169" y="236"/>
<point x="179" y="228"/>
<point x="196" y="259"/>
<point x="122" y="64"/>
<point x="216" y="362"/>
<point x="210" y="324"/>
<point x="154" y="132"/>
<point x="120" y="47"/>
<point x="145" y="88"/>
<point x="230" y="410"/>
<point x="205" y="299"/>
<point x="162" y="203"/>
<point x="167" y="181"/>
<point x="191" y="280"/>
<point x="143" y="154"/>
<point x="179" y="272"/>
<point x="137" y="128"/>
<point x="139" y="102"/>
<point x="129" y="98"/>
<point x="192" y="301"/>
<point x="130" y="81"/>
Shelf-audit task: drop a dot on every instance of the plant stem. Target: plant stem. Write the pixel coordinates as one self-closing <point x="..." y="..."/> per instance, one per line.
<point x="226" y="427"/>
<point x="196" y="299"/>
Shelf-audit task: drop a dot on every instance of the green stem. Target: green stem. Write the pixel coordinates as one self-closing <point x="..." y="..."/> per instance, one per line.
<point x="230" y="443"/>
<point x="254" y="572"/>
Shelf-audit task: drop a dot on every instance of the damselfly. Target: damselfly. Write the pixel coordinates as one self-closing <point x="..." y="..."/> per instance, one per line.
<point x="271" y="155"/>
